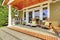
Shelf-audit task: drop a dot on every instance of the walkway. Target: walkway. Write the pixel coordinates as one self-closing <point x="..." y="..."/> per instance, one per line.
<point x="8" y="34"/>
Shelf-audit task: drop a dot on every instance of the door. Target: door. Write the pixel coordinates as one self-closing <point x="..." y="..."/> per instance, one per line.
<point x="37" y="15"/>
<point x="30" y="16"/>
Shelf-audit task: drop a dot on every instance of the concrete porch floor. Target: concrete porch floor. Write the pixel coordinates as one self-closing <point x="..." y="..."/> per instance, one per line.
<point x="36" y="32"/>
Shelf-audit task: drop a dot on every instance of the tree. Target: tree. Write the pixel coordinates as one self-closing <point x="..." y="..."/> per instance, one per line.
<point x="3" y="14"/>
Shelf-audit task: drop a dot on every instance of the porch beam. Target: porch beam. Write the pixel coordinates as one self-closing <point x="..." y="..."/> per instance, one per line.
<point x="41" y="12"/>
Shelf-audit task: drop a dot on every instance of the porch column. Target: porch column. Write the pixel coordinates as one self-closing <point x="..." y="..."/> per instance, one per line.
<point x="33" y="14"/>
<point x="48" y="10"/>
<point x="27" y="16"/>
<point x="9" y="15"/>
<point x="41" y="13"/>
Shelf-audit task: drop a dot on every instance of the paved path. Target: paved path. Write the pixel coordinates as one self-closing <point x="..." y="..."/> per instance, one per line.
<point x="8" y="34"/>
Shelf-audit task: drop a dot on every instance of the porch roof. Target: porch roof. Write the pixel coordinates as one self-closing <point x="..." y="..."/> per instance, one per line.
<point x="5" y="2"/>
<point x="19" y="4"/>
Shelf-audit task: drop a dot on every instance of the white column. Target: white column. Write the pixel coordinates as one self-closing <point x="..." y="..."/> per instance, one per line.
<point x="33" y="15"/>
<point x="48" y="10"/>
<point x="9" y="16"/>
<point x="41" y="13"/>
<point x="23" y="15"/>
<point x="27" y="16"/>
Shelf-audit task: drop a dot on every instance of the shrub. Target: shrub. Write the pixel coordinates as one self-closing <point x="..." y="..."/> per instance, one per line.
<point x="3" y="16"/>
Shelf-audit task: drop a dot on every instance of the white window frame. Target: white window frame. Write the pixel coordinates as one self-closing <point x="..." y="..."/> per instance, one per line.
<point x="38" y="8"/>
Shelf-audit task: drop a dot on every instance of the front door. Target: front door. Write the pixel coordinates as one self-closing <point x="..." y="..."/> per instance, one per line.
<point x="30" y="16"/>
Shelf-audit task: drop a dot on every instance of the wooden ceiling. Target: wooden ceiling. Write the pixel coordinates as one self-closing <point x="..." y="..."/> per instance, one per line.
<point x="19" y="4"/>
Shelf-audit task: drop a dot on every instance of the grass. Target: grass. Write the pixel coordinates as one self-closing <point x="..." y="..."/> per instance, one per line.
<point x="1" y="26"/>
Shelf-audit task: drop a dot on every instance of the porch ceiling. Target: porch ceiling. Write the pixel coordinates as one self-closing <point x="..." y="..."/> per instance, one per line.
<point x="19" y="4"/>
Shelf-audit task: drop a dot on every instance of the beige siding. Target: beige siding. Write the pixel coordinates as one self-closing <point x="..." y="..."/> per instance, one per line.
<point x="55" y="11"/>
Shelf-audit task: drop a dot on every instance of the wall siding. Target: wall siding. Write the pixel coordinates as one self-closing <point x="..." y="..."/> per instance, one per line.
<point x="55" y="11"/>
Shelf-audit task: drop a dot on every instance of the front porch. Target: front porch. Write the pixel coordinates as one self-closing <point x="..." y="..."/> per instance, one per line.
<point x="27" y="15"/>
<point x="41" y="11"/>
<point x="8" y="34"/>
<point x="36" y="32"/>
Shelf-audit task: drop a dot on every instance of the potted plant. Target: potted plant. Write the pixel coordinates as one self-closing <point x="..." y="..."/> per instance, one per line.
<point x="24" y="22"/>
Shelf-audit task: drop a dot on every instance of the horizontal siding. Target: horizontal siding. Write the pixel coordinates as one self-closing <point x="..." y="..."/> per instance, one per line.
<point x="55" y="11"/>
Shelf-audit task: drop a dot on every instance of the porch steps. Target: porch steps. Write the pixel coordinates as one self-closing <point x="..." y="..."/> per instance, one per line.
<point x="31" y="32"/>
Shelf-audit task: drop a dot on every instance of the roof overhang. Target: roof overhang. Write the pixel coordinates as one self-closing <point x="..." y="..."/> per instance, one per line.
<point x="19" y="4"/>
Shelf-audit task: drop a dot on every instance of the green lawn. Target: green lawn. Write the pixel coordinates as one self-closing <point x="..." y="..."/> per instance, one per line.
<point x="1" y="26"/>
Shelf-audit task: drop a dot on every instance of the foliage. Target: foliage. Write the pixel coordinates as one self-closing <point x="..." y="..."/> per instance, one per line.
<point x="3" y="14"/>
<point x="13" y="13"/>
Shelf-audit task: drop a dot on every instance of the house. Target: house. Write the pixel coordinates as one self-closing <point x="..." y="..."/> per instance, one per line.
<point x="26" y="10"/>
<point x="29" y="9"/>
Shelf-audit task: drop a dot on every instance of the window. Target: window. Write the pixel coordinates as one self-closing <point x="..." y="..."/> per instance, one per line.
<point x="37" y="14"/>
<point x="45" y="13"/>
<point x="24" y="15"/>
<point x="30" y="16"/>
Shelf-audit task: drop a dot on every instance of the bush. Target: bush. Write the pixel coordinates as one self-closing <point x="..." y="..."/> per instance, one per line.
<point x="3" y="16"/>
<point x="3" y="19"/>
